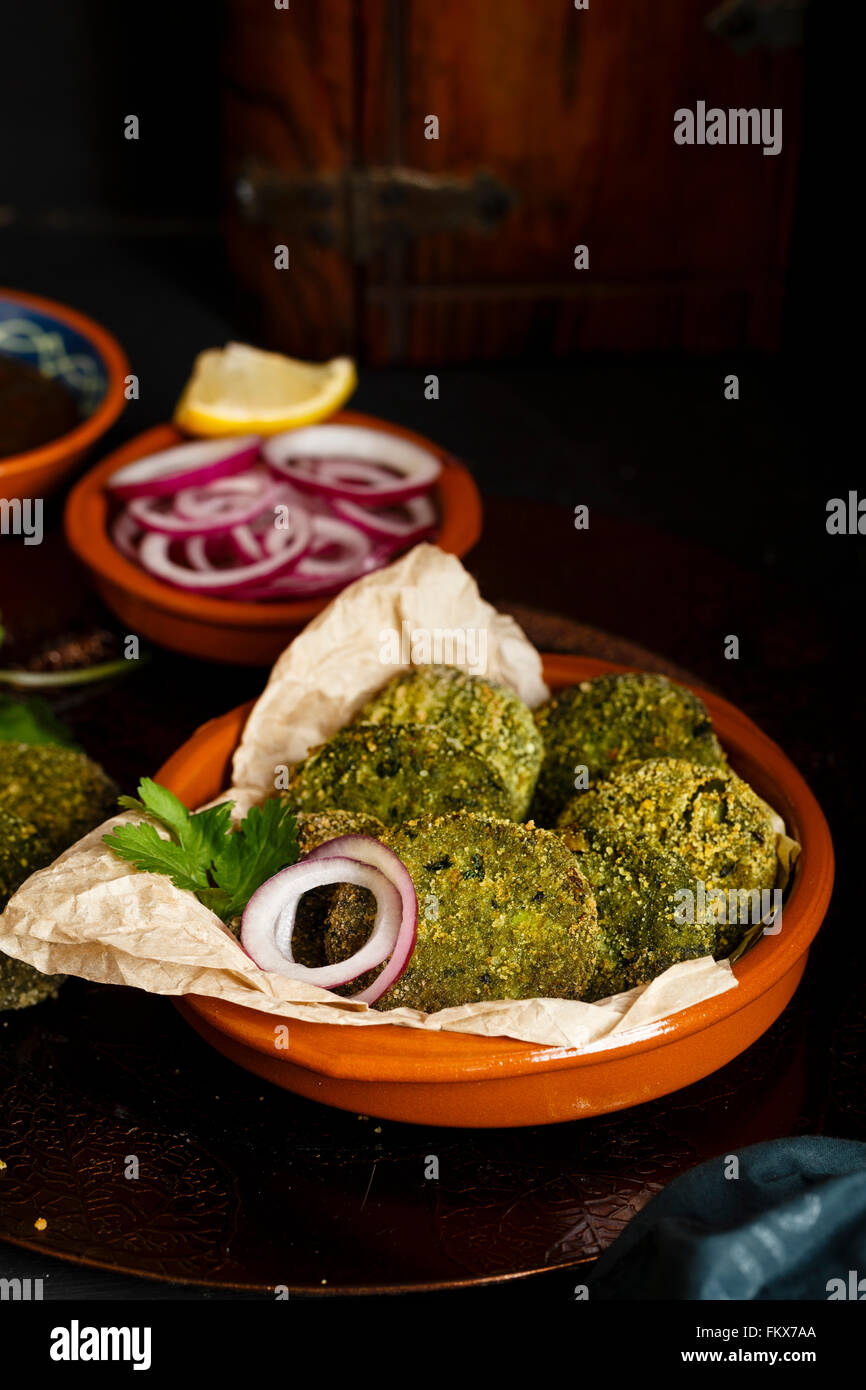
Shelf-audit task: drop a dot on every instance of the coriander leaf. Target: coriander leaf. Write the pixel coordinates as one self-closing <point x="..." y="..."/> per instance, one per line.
<point x="163" y="805"/>
<point x="204" y="855"/>
<point x="205" y="832"/>
<point x="265" y="842"/>
<point x="143" y="846"/>
<point x="200" y="834"/>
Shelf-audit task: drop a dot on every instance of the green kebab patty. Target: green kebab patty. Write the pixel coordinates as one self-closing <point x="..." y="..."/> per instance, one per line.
<point x="394" y="772"/>
<point x="488" y="718"/>
<point x="640" y="914"/>
<point x="708" y="816"/>
<point x="22" y="852"/>
<point x="614" y="719"/>
<point x="62" y="792"/>
<point x="503" y="913"/>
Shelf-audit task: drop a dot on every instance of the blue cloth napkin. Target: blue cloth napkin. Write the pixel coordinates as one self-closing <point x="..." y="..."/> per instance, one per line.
<point x="791" y="1225"/>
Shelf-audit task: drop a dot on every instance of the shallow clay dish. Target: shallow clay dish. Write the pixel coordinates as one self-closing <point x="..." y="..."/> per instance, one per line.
<point x="227" y="629"/>
<point x="66" y="345"/>
<point x="456" y="1079"/>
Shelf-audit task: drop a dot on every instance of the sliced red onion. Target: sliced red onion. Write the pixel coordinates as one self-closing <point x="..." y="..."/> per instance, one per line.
<point x="253" y="545"/>
<point x="213" y="529"/>
<point x="317" y="572"/>
<point x="246" y="544"/>
<point x="125" y="533"/>
<point x="340" y="472"/>
<point x="292" y="585"/>
<point x="287" y="587"/>
<point x="406" y="522"/>
<point x="352" y="462"/>
<point x="269" y="919"/>
<point x="329" y="533"/>
<point x="184" y="465"/>
<point x="365" y="850"/>
<point x="221" y="495"/>
<point x="153" y="554"/>
<point x="208" y="553"/>
<point x="151" y="514"/>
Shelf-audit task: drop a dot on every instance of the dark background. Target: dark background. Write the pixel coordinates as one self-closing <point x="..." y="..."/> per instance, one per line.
<point x="707" y="516"/>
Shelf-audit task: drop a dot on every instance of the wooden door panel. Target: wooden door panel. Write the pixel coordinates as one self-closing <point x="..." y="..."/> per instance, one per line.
<point x="573" y="111"/>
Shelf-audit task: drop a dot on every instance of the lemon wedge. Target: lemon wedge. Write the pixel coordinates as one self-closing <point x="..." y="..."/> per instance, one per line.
<point x="239" y="389"/>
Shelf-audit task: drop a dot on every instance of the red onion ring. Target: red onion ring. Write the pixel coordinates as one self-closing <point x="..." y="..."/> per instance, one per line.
<point x="408" y="522"/>
<point x="365" y="850"/>
<point x="202" y="503"/>
<point x="184" y="465"/>
<point x="268" y="921"/>
<point x="362" y="464"/>
<point x="153" y="554"/>
<point x="151" y="515"/>
<point x="328" y="531"/>
<point x="245" y="544"/>
<point x="126" y="533"/>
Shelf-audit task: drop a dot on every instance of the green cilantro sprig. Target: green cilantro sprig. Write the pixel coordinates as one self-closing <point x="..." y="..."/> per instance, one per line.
<point x="204" y="854"/>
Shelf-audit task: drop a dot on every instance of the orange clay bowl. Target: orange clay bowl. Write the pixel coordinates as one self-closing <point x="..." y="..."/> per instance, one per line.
<point x="456" y="1079"/>
<point x="227" y="629"/>
<point x="37" y="472"/>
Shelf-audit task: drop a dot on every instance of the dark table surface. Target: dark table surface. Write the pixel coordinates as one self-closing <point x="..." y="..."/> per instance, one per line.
<point x="706" y="520"/>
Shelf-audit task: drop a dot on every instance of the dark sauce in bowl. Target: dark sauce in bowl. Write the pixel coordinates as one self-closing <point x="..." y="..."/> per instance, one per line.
<point x="34" y="409"/>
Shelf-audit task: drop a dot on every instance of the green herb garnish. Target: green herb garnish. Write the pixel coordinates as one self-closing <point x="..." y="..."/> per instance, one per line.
<point x="204" y="854"/>
<point x="32" y="721"/>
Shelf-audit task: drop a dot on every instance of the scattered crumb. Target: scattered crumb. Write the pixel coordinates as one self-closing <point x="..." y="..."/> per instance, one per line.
<point x="378" y="1129"/>
<point x="2" y="1165"/>
<point x="40" y="1223"/>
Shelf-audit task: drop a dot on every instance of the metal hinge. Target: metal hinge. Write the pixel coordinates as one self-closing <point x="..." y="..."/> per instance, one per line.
<point x="362" y="212"/>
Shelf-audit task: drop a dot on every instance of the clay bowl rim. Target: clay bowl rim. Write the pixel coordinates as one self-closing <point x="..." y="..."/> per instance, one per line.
<point x="87" y="511"/>
<point x="414" y="1055"/>
<point x="78" y="440"/>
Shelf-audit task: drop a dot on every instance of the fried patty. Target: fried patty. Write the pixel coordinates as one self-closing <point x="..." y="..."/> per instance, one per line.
<point x="709" y="816"/>
<point x="503" y="913"/>
<point x="488" y="718"/>
<point x="614" y="719"/>
<point x="63" y="793"/>
<point x="22" y="851"/>
<point x="649" y="917"/>
<point x="394" y="772"/>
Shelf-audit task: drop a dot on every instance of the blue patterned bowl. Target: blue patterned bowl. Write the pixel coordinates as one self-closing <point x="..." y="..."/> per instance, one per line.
<point x="65" y="345"/>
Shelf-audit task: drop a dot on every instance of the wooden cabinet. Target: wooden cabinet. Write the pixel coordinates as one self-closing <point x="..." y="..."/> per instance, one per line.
<point x="555" y="129"/>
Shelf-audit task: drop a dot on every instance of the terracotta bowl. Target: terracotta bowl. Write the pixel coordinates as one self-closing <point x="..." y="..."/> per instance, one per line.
<point x="62" y="343"/>
<point x="456" y="1079"/>
<point x="226" y="629"/>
